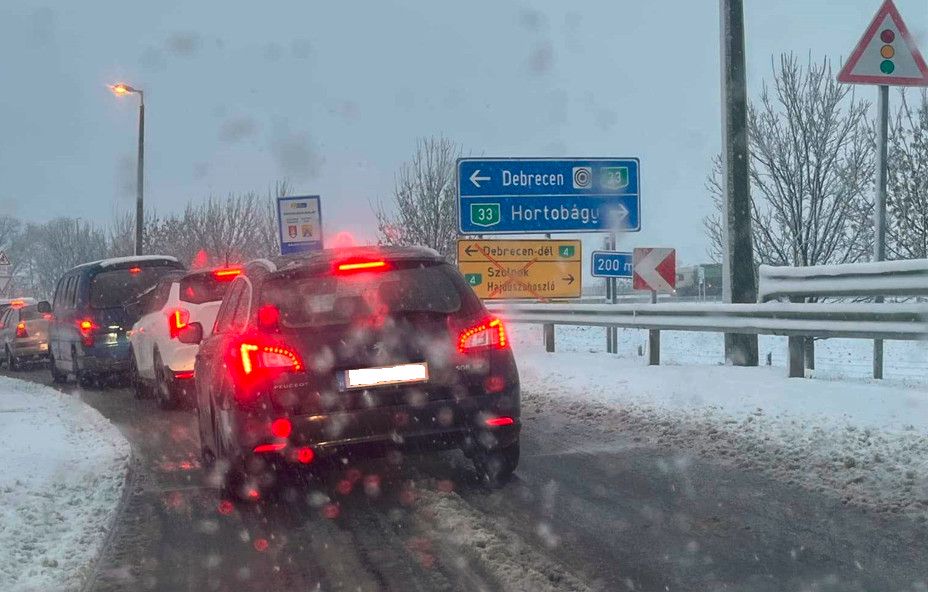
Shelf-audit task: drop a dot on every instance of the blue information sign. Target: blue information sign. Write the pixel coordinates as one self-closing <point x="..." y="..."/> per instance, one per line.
<point x="538" y="195"/>
<point x="299" y="221"/>
<point x="612" y="264"/>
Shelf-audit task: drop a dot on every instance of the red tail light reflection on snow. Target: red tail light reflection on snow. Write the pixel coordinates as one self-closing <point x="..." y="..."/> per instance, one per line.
<point x="490" y="334"/>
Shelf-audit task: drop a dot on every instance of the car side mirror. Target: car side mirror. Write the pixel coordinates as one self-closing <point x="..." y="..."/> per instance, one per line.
<point x="44" y="307"/>
<point x="191" y="334"/>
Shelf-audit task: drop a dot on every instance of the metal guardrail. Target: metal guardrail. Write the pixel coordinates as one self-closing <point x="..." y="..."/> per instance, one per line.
<point x="884" y="278"/>
<point x="864" y="321"/>
<point x="796" y="321"/>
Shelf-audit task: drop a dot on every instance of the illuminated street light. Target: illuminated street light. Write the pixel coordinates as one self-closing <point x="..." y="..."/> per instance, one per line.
<point x="120" y="89"/>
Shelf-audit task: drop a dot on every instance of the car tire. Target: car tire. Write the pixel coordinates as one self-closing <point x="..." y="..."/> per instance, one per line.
<point x="495" y="467"/>
<point x="139" y="388"/>
<point x="11" y="361"/>
<point x="86" y="379"/>
<point x="58" y="377"/>
<point x="167" y="398"/>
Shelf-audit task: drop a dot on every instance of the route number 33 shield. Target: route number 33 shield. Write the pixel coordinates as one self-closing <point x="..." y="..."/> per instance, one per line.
<point x="484" y="214"/>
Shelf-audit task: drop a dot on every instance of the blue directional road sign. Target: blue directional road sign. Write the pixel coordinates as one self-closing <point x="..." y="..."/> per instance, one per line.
<point x="536" y="195"/>
<point x="612" y="264"/>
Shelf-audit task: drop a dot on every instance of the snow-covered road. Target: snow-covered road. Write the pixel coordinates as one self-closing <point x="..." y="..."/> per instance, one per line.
<point x="864" y="440"/>
<point x="62" y="469"/>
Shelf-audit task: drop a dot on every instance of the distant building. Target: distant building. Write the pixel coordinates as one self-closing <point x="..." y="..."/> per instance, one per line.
<point x="691" y="282"/>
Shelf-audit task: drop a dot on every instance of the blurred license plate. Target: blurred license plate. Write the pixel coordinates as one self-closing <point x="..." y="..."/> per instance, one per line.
<point x="402" y="374"/>
<point x="43" y="346"/>
<point x="112" y="338"/>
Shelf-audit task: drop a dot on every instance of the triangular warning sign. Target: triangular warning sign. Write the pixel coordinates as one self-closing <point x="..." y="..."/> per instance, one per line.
<point x="886" y="54"/>
<point x="4" y="260"/>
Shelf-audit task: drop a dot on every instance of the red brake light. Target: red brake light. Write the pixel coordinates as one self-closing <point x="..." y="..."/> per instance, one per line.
<point x="226" y="275"/>
<point x="87" y="326"/>
<point x="274" y="447"/>
<point x="135" y="270"/>
<point x="268" y="316"/>
<point x="490" y="334"/>
<point x="268" y="357"/>
<point x="281" y="427"/>
<point x="21" y="329"/>
<point x="496" y="422"/>
<point x="177" y="320"/>
<point x="356" y="266"/>
<point x="305" y="455"/>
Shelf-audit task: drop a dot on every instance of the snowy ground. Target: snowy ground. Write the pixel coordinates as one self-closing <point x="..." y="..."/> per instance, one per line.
<point x="863" y="440"/>
<point x="62" y="469"/>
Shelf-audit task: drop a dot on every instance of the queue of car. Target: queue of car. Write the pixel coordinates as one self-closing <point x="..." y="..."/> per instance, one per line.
<point x="343" y="353"/>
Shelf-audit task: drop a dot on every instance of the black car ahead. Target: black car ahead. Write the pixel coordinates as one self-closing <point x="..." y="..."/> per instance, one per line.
<point x="92" y="313"/>
<point x="354" y="352"/>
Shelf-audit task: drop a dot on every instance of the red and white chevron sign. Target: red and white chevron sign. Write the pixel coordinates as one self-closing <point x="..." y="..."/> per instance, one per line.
<point x="655" y="269"/>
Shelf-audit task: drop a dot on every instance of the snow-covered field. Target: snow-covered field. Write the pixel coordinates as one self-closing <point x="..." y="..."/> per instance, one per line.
<point x="863" y="440"/>
<point x="62" y="470"/>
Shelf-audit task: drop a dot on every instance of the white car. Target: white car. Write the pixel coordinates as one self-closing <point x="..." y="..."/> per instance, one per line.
<point x="162" y="357"/>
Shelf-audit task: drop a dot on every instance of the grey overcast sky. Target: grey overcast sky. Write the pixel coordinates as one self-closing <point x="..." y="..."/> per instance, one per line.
<point x="331" y="95"/>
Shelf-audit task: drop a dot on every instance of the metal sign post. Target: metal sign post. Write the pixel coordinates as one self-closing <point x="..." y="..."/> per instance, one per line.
<point x="879" y="207"/>
<point x="612" y="333"/>
<point x="885" y="55"/>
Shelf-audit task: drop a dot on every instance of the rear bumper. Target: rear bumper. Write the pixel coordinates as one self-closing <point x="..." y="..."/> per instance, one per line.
<point x="106" y="359"/>
<point x="180" y="358"/>
<point x="436" y="425"/>
<point x="30" y="349"/>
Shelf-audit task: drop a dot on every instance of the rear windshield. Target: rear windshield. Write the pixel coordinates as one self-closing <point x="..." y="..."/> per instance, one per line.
<point x="29" y="313"/>
<point x="341" y="299"/>
<point x="119" y="287"/>
<point x="203" y="287"/>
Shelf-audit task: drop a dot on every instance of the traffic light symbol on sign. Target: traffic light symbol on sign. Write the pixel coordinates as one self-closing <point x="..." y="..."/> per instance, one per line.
<point x="887" y="36"/>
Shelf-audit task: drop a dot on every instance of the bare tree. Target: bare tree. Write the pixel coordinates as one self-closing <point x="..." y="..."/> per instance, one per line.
<point x="59" y="245"/>
<point x="423" y="211"/>
<point x="811" y="170"/>
<point x="268" y="236"/>
<point x="907" y="181"/>
<point x="225" y="228"/>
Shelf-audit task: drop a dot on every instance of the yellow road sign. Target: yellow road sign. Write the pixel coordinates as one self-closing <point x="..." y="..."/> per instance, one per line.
<point x="500" y="269"/>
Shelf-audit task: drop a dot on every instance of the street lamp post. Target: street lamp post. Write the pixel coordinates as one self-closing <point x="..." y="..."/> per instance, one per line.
<point x="122" y="90"/>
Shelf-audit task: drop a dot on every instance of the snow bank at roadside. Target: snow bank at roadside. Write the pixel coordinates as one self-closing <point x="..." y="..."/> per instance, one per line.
<point x="62" y="470"/>
<point x="867" y="442"/>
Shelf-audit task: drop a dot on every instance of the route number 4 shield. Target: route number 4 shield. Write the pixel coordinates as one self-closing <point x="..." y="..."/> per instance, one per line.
<point x="484" y="214"/>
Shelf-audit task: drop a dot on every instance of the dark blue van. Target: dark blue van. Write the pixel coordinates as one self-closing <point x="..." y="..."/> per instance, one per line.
<point x="92" y="312"/>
